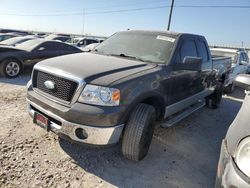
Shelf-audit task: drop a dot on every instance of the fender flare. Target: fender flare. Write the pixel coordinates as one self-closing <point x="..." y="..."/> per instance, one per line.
<point x="142" y="97"/>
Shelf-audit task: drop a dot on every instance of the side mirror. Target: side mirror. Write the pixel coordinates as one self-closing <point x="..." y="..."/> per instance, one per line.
<point x="243" y="81"/>
<point x="190" y="63"/>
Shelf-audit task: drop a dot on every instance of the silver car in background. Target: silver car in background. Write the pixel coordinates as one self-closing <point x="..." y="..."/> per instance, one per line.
<point x="234" y="163"/>
<point x="240" y="64"/>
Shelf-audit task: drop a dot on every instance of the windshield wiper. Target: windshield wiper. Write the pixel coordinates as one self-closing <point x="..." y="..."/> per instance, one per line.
<point x="128" y="56"/>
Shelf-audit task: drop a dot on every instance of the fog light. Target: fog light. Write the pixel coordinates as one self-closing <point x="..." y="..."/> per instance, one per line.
<point x="81" y="133"/>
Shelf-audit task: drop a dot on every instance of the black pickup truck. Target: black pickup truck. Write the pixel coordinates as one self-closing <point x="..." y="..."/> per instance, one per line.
<point x="123" y="86"/>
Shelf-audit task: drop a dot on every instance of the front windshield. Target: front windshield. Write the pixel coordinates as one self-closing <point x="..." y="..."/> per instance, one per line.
<point x="12" y="41"/>
<point x="30" y="44"/>
<point x="233" y="55"/>
<point x="146" y="47"/>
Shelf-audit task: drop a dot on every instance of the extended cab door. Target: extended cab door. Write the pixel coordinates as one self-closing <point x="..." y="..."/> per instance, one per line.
<point x="185" y="82"/>
<point x="206" y="78"/>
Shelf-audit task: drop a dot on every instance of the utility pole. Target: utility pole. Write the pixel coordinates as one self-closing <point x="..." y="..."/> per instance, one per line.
<point x="83" y="21"/>
<point x="170" y="14"/>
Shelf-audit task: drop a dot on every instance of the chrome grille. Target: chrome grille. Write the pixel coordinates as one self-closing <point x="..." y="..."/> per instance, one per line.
<point x="64" y="88"/>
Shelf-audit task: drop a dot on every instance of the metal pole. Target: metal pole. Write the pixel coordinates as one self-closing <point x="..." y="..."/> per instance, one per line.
<point x="83" y="21"/>
<point x="170" y="14"/>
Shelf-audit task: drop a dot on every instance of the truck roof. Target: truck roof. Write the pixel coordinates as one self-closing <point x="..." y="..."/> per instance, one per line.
<point x="157" y="32"/>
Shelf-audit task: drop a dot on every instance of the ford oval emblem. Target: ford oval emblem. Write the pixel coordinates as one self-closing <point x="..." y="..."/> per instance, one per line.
<point x="50" y="85"/>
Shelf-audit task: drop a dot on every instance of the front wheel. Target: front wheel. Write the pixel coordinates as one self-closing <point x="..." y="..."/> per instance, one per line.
<point x="139" y="132"/>
<point x="10" y="68"/>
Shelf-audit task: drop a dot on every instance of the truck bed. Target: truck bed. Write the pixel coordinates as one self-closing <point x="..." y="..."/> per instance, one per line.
<point x="222" y="65"/>
<point x="220" y="58"/>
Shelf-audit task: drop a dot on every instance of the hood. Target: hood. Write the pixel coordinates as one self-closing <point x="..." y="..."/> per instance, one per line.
<point x="239" y="129"/>
<point x="94" y="68"/>
<point x="6" y="48"/>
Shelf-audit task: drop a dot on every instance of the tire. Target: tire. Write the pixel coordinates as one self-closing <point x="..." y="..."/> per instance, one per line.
<point x="213" y="101"/>
<point x="10" y="68"/>
<point x="230" y="88"/>
<point x="138" y="132"/>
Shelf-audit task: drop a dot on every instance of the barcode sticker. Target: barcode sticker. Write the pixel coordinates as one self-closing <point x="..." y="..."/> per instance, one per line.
<point x="169" y="39"/>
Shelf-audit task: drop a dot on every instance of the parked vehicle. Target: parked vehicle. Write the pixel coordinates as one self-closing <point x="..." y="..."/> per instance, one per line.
<point x="7" y="36"/>
<point x="14" y="31"/>
<point x="234" y="163"/>
<point x="82" y="41"/>
<point x="16" y="40"/>
<point x="14" y="59"/>
<point x="62" y="38"/>
<point x="240" y="64"/>
<point x="90" y="47"/>
<point x="121" y="88"/>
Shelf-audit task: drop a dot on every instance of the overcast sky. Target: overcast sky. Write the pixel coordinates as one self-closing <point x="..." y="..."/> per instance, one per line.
<point x="220" y="25"/>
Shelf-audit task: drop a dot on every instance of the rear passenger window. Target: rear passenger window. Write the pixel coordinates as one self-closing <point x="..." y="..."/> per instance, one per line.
<point x="188" y="48"/>
<point x="203" y="51"/>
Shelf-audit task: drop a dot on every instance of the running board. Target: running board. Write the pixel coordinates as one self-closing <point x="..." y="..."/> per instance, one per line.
<point x="180" y="116"/>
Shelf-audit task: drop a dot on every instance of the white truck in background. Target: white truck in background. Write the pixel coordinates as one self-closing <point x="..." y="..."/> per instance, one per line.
<point x="240" y="64"/>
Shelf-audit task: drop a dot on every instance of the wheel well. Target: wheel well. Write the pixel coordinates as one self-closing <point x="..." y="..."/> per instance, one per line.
<point x="158" y="104"/>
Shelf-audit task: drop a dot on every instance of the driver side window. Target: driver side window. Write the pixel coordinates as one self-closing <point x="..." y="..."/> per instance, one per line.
<point x="188" y="48"/>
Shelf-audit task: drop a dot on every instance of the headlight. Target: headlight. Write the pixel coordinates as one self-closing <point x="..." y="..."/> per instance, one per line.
<point x="242" y="157"/>
<point x="99" y="95"/>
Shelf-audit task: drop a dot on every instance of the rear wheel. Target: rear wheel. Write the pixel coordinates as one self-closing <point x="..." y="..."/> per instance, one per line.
<point x="213" y="101"/>
<point x="139" y="132"/>
<point x="10" y="68"/>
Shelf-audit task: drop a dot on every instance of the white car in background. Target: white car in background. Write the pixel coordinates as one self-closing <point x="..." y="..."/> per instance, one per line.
<point x="90" y="47"/>
<point x="240" y="64"/>
<point x="81" y="42"/>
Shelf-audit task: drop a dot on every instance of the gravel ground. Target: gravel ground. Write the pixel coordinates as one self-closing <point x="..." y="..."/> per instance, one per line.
<point x="183" y="156"/>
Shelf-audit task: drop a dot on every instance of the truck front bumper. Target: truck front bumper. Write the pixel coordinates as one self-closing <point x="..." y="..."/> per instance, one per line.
<point x="228" y="174"/>
<point x="78" y="132"/>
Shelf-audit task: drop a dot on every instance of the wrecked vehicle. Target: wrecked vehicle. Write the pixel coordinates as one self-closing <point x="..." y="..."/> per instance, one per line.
<point x="120" y="89"/>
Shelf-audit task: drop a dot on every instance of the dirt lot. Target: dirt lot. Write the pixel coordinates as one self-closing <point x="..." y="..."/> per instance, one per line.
<point x="182" y="156"/>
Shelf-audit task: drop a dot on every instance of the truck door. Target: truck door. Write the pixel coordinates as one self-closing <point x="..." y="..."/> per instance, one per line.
<point x="185" y="82"/>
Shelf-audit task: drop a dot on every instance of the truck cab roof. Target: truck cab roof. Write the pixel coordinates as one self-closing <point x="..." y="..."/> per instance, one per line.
<point x="158" y="32"/>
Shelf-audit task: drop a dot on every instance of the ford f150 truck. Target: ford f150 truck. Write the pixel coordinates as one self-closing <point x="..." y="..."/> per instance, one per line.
<point x="117" y="91"/>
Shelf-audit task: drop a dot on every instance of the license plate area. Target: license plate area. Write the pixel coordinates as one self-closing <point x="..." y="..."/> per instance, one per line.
<point x="41" y="121"/>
